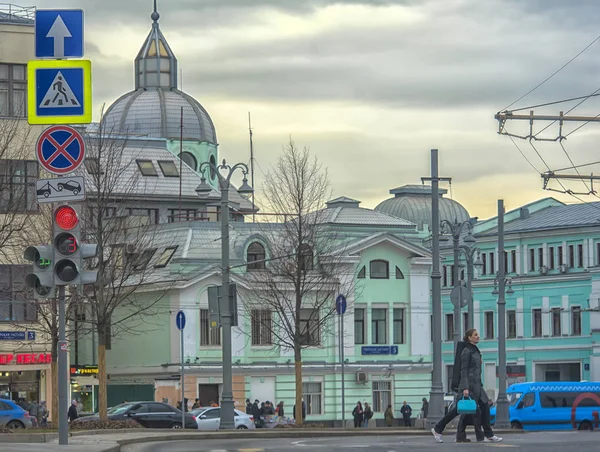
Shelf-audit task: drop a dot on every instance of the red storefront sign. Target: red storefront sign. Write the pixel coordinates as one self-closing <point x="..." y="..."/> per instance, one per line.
<point x="25" y="358"/>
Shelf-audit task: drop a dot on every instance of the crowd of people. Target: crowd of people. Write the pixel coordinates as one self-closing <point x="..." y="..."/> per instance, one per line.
<point x="38" y="413"/>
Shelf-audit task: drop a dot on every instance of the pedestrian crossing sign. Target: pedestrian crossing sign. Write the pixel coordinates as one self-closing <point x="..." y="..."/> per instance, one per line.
<point x="59" y="92"/>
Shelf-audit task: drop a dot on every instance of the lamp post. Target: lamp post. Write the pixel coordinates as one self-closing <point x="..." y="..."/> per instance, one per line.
<point x="227" y="403"/>
<point x="455" y="229"/>
<point x="472" y="263"/>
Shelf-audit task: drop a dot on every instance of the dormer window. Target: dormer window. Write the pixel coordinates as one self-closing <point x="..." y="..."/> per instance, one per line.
<point x="379" y="269"/>
<point x="168" y="168"/>
<point x="255" y="257"/>
<point x="147" y="168"/>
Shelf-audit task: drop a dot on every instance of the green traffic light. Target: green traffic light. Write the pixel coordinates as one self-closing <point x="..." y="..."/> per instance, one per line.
<point x="44" y="263"/>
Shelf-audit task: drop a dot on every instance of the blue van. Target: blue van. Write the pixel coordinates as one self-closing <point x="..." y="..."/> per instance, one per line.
<point x="553" y="405"/>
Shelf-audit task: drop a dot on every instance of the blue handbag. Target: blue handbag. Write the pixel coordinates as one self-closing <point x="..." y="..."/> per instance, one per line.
<point x="466" y="406"/>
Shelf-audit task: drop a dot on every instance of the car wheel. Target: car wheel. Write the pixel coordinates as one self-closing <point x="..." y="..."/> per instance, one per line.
<point x="75" y="192"/>
<point x="586" y="425"/>
<point x="60" y="187"/>
<point x="176" y="426"/>
<point x="516" y="425"/>
<point x="13" y="425"/>
<point x="241" y="427"/>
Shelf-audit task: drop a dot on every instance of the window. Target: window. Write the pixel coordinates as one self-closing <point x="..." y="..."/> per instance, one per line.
<point x="444" y="276"/>
<point x="152" y="214"/>
<point x="165" y="257"/>
<point x="14" y="295"/>
<point x="168" y="168"/>
<point x="262" y="324"/>
<point x="140" y="261"/>
<point x="92" y="165"/>
<point x="484" y="262"/>
<point x="378" y="326"/>
<point x="537" y="323"/>
<point x="565" y="399"/>
<point x="310" y="332"/>
<point x="398" y="326"/>
<point x="399" y="274"/>
<point x="597" y="253"/>
<point x="506" y="268"/>
<point x="449" y="327"/>
<point x="362" y="273"/>
<point x="489" y="325"/>
<point x="147" y="168"/>
<point x="12" y="90"/>
<point x="379" y="269"/>
<point x="580" y="255"/>
<point x="359" y="325"/>
<point x="212" y="414"/>
<point x="255" y="256"/>
<point x="176" y="215"/>
<point x="313" y="396"/>
<point x="382" y="395"/>
<point x="551" y="258"/>
<point x="208" y="335"/>
<point x="465" y="321"/>
<point x="513" y="261"/>
<point x="531" y="260"/>
<point x="492" y="264"/>
<point x="511" y="324"/>
<point x="306" y="262"/>
<point x="556" y="326"/>
<point x="571" y="256"/>
<point x="528" y="400"/>
<point x="159" y="408"/>
<point x="452" y="275"/>
<point x="541" y="257"/>
<point x="189" y="160"/>
<point x="462" y="275"/>
<point x="575" y="321"/>
<point x="17" y="186"/>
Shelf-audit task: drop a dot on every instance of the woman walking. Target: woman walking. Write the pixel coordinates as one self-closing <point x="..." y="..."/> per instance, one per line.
<point x="471" y="386"/>
<point x="357" y="414"/>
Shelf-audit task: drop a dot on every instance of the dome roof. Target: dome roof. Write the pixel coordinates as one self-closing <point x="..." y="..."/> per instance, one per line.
<point x="413" y="203"/>
<point x="156" y="112"/>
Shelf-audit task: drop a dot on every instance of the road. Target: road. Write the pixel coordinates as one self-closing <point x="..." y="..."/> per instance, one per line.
<point x="531" y="442"/>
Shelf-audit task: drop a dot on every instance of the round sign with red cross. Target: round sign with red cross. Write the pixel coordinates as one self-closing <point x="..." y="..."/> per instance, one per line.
<point x="60" y="149"/>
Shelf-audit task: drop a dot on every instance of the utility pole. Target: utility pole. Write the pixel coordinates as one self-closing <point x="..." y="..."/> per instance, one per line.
<point x="436" y="396"/>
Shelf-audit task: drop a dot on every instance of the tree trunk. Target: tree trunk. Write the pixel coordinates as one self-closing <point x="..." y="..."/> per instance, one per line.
<point x="298" y="368"/>
<point x="102" y="395"/>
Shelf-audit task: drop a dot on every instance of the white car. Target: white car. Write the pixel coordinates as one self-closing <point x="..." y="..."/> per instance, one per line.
<point x="210" y="419"/>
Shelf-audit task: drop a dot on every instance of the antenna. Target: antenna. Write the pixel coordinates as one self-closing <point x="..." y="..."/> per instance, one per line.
<point x="252" y="167"/>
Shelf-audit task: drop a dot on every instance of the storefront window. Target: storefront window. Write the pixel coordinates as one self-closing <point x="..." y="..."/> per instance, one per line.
<point x="20" y="386"/>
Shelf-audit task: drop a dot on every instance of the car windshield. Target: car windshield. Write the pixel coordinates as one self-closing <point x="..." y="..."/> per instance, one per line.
<point x="513" y="398"/>
<point x="120" y="409"/>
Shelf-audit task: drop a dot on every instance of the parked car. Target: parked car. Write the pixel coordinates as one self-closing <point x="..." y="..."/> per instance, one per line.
<point x="209" y="418"/>
<point x="71" y="186"/>
<point x="148" y="414"/>
<point x="13" y="416"/>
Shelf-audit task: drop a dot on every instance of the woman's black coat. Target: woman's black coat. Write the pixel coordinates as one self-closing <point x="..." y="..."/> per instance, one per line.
<point x="470" y="373"/>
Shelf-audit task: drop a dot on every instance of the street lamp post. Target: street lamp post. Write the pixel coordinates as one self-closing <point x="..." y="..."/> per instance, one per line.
<point x="455" y="229"/>
<point x="472" y="263"/>
<point x="227" y="403"/>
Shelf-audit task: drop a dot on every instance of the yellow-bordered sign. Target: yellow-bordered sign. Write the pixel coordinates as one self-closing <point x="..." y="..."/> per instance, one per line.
<point x="59" y="92"/>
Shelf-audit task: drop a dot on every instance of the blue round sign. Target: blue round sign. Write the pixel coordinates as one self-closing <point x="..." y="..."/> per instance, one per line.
<point x="180" y="320"/>
<point x="340" y="304"/>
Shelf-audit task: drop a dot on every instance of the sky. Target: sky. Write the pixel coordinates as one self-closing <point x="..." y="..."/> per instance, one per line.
<point x="372" y="85"/>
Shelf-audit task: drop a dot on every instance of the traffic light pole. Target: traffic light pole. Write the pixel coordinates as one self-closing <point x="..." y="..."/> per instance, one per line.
<point x="63" y="375"/>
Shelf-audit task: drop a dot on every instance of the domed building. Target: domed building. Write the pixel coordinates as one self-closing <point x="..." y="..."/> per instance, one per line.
<point x="413" y="203"/>
<point x="158" y="109"/>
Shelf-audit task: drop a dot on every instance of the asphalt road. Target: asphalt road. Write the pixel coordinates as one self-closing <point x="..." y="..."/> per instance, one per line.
<point x="531" y="442"/>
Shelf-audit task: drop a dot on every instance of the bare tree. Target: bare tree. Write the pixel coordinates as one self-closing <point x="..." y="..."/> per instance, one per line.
<point x="291" y="297"/>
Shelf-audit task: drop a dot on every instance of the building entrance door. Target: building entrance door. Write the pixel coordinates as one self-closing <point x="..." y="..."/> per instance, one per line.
<point x="208" y="393"/>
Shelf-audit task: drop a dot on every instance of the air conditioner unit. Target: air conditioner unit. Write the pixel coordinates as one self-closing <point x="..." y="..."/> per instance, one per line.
<point x="361" y="377"/>
<point x="563" y="268"/>
<point x="543" y="270"/>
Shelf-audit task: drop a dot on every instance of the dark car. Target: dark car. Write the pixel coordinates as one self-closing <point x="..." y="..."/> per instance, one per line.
<point x="71" y="185"/>
<point x="148" y="414"/>
<point x="45" y="191"/>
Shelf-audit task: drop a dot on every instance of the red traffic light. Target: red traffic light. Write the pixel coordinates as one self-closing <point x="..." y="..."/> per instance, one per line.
<point x="66" y="217"/>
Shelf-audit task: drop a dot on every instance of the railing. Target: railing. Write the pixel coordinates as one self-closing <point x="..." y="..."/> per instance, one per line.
<point x="10" y="13"/>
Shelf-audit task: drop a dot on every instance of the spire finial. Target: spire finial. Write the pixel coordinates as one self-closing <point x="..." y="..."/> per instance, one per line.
<point x="155" y="16"/>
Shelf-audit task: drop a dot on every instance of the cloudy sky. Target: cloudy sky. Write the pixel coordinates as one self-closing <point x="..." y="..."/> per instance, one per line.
<point x="372" y="85"/>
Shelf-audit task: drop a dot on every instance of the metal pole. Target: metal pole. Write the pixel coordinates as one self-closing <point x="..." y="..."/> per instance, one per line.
<point x="63" y="374"/>
<point x="470" y="276"/>
<point x="227" y="420"/>
<point x="502" y="419"/>
<point x="436" y="396"/>
<point x="183" y="405"/>
<point x="455" y="275"/>
<point x="343" y="371"/>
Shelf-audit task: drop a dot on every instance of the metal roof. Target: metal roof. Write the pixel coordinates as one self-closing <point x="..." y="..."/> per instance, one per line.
<point x="17" y="15"/>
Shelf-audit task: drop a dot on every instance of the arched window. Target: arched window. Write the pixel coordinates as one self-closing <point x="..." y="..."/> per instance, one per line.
<point x="189" y="160"/>
<point x="362" y="273"/>
<point x="213" y="162"/>
<point x="306" y="258"/>
<point x="379" y="269"/>
<point x="255" y="257"/>
<point x="399" y="274"/>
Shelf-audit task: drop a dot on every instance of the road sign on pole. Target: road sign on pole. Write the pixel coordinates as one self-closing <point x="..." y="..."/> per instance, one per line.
<point x="60" y="149"/>
<point x="340" y="304"/>
<point x="59" y="33"/>
<point x="180" y="322"/>
<point x="59" y="92"/>
<point x="61" y="189"/>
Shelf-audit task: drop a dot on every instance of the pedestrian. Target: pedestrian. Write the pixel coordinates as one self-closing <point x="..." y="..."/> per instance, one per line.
<point x="280" y="411"/>
<point x="43" y="413"/>
<point x="248" y="406"/>
<point x="196" y="404"/>
<point x="303" y="410"/>
<point x="72" y="414"/>
<point x="425" y="408"/>
<point x="471" y="386"/>
<point x="33" y="413"/>
<point x="357" y="414"/>
<point x="367" y="415"/>
<point x="406" y="411"/>
<point x="389" y="416"/>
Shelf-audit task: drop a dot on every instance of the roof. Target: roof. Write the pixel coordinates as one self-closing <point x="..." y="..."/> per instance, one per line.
<point x="17" y="15"/>
<point x="359" y="216"/>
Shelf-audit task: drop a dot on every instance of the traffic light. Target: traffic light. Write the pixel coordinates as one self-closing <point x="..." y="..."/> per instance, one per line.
<point x="42" y="278"/>
<point x="69" y="252"/>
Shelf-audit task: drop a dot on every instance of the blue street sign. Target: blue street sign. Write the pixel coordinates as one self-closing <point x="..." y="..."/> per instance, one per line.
<point x="31" y="335"/>
<point x="12" y="335"/>
<point x="59" y="33"/>
<point x="340" y="304"/>
<point x="180" y="320"/>
<point x="379" y="350"/>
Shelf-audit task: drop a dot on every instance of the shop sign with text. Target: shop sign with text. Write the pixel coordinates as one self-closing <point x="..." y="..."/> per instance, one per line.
<point x="25" y="358"/>
<point x="84" y="370"/>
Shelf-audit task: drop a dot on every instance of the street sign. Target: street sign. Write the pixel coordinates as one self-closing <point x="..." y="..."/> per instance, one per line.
<point x="459" y="294"/>
<point x="60" y="149"/>
<point x="59" y="33"/>
<point x="59" y="92"/>
<point x="340" y="304"/>
<point x="180" y="320"/>
<point x="61" y="189"/>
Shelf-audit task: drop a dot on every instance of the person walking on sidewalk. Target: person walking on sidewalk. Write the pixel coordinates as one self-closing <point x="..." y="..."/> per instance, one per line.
<point x="406" y="411"/>
<point x="357" y="414"/>
<point x="389" y="416"/>
<point x="368" y="414"/>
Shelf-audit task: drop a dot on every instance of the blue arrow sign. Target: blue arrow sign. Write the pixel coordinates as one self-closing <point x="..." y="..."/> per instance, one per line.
<point x="340" y="304"/>
<point x="59" y="33"/>
<point x="180" y="320"/>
